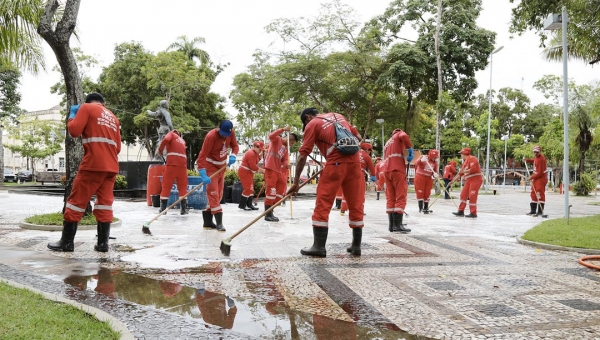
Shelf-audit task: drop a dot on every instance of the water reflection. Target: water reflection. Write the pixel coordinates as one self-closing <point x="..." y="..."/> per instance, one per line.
<point x="265" y="315"/>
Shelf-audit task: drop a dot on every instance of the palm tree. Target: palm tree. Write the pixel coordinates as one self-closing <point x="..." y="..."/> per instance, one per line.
<point x="189" y="48"/>
<point x="19" y="41"/>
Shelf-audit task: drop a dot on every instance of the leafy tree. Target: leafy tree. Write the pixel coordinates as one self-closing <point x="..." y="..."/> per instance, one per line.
<point x="19" y="42"/>
<point x="188" y="47"/>
<point x="510" y="110"/>
<point x="39" y="139"/>
<point x="9" y="102"/>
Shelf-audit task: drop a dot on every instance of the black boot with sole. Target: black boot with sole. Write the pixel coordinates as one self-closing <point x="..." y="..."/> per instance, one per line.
<point x="250" y="203"/>
<point x="219" y="220"/>
<point x="269" y="216"/>
<point x="183" y="204"/>
<point x="398" y="226"/>
<point x="66" y="240"/>
<point x="163" y="206"/>
<point x="354" y="249"/>
<point x="103" y="229"/>
<point x="208" y="220"/>
<point x="318" y="247"/>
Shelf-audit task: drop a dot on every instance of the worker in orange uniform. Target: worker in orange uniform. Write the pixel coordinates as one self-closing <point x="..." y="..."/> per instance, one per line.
<point x="424" y="176"/>
<point x="366" y="164"/>
<point x="471" y="173"/>
<point x="449" y="173"/>
<point x="246" y="173"/>
<point x="101" y="137"/>
<point x="379" y="166"/>
<point x="216" y="309"/>
<point x="176" y="169"/>
<point x="338" y="199"/>
<point x="212" y="157"/>
<point x="341" y="170"/>
<point x="538" y="180"/>
<point x="274" y="159"/>
<point x="395" y="173"/>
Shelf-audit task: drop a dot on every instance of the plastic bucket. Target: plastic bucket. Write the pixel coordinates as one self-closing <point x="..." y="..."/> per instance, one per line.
<point x="196" y="200"/>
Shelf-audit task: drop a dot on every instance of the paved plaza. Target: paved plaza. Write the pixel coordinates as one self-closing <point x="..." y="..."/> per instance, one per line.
<point x="450" y="278"/>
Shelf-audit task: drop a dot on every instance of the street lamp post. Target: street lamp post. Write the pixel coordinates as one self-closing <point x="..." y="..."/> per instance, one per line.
<point x="381" y="121"/>
<point x="555" y="22"/>
<point x="487" y="158"/>
<point x="505" y="138"/>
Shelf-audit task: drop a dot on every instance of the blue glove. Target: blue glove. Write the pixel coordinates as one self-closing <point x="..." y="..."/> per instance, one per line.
<point x="373" y="178"/>
<point x="204" y="177"/>
<point x="232" y="159"/>
<point x="73" y="111"/>
<point x="411" y="155"/>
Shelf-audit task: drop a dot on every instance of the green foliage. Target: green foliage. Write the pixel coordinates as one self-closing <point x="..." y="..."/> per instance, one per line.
<point x="21" y="308"/>
<point x="231" y="177"/>
<point x="586" y="184"/>
<point x="120" y="183"/>
<point x="39" y="138"/>
<point x="259" y="183"/>
<point x="193" y="172"/>
<point x="57" y="219"/>
<point x="9" y="94"/>
<point x="581" y="232"/>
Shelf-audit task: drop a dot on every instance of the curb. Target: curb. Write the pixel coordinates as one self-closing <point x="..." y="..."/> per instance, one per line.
<point x="553" y="247"/>
<point x="30" y="226"/>
<point x="97" y="313"/>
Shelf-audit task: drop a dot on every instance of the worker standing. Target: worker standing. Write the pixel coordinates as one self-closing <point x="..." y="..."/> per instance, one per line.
<point x="449" y="173"/>
<point x="246" y="173"/>
<point x="538" y="180"/>
<point x="470" y="171"/>
<point x="395" y="178"/>
<point x="176" y="169"/>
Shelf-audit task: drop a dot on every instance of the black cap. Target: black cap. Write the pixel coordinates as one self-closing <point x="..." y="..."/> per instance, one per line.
<point x="308" y="111"/>
<point x="94" y="97"/>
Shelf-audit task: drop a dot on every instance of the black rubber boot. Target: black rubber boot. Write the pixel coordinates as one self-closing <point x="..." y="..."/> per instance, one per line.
<point x="163" y="206"/>
<point x="103" y="235"/>
<point x="318" y="247"/>
<point x="540" y="209"/>
<point x="338" y="205"/>
<point x="183" y="204"/>
<point x="532" y="208"/>
<point x="377" y="199"/>
<point x="219" y="219"/>
<point x="243" y="203"/>
<point x="208" y="220"/>
<point x="250" y="203"/>
<point x="426" y="208"/>
<point x="398" y="226"/>
<point x="420" y="206"/>
<point x="269" y="216"/>
<point x="391" y="224"/>
<point x="354" y="249"/>
<point x="471" y="215"/>
<point x="66" y="240"/>
<point x="459" y="213"/>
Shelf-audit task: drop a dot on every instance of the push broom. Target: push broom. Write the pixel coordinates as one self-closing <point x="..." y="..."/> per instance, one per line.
<point x="226" y="243"/>
<point x="146" y="226"/>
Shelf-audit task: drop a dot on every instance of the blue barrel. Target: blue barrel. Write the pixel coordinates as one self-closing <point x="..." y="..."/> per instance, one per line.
<point x="196" y="200"/>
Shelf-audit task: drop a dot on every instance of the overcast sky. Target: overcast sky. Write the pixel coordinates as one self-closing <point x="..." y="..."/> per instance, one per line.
<point x="234" y="29"/>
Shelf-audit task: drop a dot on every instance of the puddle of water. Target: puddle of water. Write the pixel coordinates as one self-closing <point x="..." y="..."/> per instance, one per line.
<point x="266" y="316"/>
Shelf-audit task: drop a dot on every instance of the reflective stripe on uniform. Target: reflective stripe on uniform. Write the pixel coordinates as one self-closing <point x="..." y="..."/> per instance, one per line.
<point x="76" y="208"/>
<point x="357" y="223"/>
<point x="396" y="155"/>
<point x="320" y="223"/>
<point x="217" y="208"/>
<point x="389" y="210"/>
<point x="102" y="207"/>
<point x="176" y="154"/>
<point x="98" y="140"/>
<point x="472" y="175"/>
<point x="210" y="160"/>
<point x="247" y="168"/>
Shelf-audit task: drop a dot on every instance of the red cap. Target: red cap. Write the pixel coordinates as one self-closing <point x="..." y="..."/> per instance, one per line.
<point x="366" y="146"/>
<point x="433" y="154"/>
<point x="258" y="144"/>
<point x="537" y="148"/>
<point x="465" y="151"/>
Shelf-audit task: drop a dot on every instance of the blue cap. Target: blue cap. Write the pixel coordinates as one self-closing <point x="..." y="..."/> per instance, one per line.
<point x="225" y="128"/>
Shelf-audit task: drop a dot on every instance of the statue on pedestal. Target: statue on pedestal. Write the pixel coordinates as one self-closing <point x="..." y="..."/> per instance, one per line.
<point x="164" y="117"/>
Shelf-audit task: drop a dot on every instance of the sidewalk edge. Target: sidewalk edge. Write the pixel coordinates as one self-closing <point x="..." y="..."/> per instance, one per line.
<point x="553" y="247"/>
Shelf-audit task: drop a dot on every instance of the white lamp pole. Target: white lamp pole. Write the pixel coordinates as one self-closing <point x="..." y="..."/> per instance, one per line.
<point x="487" y="158"/>
<point x="555" y="22"/>
<point x="504" y="180"/>
<point x="381" y="121"/>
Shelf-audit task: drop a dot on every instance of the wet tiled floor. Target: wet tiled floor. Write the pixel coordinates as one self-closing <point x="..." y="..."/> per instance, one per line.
<point x="450" y="278"/>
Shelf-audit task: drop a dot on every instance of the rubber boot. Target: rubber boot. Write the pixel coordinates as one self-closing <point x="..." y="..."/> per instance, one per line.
<point x="208" y="222"/>
<point x="183" y="204"/>
<point x="250" y="203"/>
<point x="66" y="240"/>
<point x="420" y="206"/>
<point x="426" y="208"/>
<point x="398" y="226"/>
<point x="269" y="217"/>
<point x="459" y="213"/>
<point x="532" y="208"/>
<point x="318" y="247"/>
<point x="391" y="220"/>
<point x="103" y="235"/>
<point x="471" y="215"/>
<point x="219" y="219"/>
<point x="377" y="199"/>
<point x="163" y="206"/>
<point x="354" y="249"/>
<point x="244" y="203"/>
<point x="540" y="209"/>
<point x="338" y="205"/>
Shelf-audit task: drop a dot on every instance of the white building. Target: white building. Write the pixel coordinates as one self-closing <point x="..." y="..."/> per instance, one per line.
<point x="16" y="162"/>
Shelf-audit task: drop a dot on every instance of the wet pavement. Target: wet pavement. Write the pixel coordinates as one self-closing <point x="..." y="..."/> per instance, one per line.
<point x="451" y="278"/>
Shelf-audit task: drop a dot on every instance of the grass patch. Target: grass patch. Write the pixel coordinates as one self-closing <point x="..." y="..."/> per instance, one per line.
<point x="582" y="232"/>
<point x="57" y="219"/>
<point x="27" y="315"/>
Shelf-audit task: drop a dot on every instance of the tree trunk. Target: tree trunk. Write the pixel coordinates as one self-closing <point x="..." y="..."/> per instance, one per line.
<point x="1" y="158"/>
<point x="440" y="87"/>
<point x="58" y="39"/>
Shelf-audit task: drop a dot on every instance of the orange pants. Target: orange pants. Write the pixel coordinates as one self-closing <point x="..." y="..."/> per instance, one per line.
<point x="274" y="186"/>
<point x="540" y="188"/>
<point x="380" y="181"/>
<point x="247" y="178"/>
<point x="86" y="184"/>
<point x="334" y="176"/>
<point x="423" y="185"/>
<point x="470" y="190"/>
<point x="396" y="190"/>
<point x="173" y="173"/>
<point x="363" y="188"/>
<point x="282" y="185"/>
<point x="215" y="190"/>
